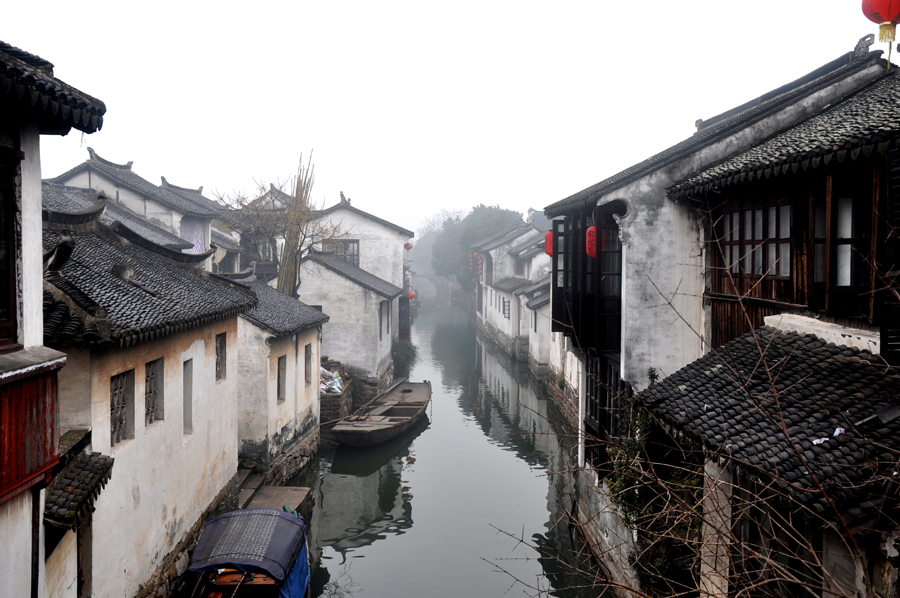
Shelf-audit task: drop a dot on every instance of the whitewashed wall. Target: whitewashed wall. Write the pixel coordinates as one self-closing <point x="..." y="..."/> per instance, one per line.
<point x="162" y="479"/>
<point x="351" y="335"/>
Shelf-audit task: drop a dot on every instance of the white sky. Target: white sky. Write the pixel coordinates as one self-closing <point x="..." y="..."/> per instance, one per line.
<point x="414" y="106"/>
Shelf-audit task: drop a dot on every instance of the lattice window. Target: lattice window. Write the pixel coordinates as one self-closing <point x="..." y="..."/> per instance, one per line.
<point x="308" y="364"/>
<point x="220" y="356"/>
<point x="153" y="392"/>
<point x="506" y="304"/>
<point x="121" y="407"/>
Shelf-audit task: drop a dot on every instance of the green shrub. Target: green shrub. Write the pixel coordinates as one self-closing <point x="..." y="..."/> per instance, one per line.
<point x="405" y="356"/>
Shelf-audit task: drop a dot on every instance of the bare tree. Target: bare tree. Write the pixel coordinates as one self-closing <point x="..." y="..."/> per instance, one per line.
<point x="278" y="219"/>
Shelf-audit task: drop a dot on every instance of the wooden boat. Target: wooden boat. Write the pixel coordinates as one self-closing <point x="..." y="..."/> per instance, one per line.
<point x="386" y="416"/>
<point x="252" y="553"/>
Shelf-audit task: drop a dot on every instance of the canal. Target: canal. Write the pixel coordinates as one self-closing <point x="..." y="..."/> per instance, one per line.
<point x="471" y="503"/>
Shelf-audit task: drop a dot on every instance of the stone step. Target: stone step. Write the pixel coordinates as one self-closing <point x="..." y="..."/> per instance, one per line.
<point x="252" y="482"/>
<point x="245" y="496"/>
<point x="243" y="474"/>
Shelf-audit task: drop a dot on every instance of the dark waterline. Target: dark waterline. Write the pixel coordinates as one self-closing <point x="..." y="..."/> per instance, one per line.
<point x="440" y="511"/>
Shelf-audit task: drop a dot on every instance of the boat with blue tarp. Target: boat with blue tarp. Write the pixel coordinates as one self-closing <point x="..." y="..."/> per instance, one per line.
<point x="252" y="553"/>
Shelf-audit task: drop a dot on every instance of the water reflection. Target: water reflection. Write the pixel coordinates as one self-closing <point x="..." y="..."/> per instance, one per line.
<point x="481" y="466"/>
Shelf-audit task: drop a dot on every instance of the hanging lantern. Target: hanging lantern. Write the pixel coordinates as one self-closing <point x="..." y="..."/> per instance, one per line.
<point x="887" y="14"/>
<point x="408" y="246"/>
<point x="411" y="295"/>
<point x="548" y="243"/>
<point x="590" y="241"/>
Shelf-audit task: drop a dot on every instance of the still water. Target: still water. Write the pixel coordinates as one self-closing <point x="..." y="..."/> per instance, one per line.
<point x="441" y="510"/>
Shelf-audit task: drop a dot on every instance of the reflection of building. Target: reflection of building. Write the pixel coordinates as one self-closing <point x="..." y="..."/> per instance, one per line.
<point x="361" y="499"/>
<point x="517" y="407"/>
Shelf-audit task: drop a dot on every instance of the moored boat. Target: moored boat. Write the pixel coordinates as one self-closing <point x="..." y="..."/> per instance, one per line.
<point x="386" y="416"/>
<point x="254" y="553"/>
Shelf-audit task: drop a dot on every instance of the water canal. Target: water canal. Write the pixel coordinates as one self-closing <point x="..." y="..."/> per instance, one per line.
<point x="439" y="511"/>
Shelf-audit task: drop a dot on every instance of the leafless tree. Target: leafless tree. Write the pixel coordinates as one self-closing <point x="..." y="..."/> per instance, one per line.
<point x="277" y="218"/>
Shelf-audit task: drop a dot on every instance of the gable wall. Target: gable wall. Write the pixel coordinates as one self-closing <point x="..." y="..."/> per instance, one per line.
<point x="154" y="211"/>
<point x="380" y="248"/>
<point x="351" y="335"/>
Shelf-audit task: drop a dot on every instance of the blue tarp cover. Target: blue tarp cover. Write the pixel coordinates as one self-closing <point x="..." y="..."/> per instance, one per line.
<point x="251" y="540"/>
<point x="295" y="586"/>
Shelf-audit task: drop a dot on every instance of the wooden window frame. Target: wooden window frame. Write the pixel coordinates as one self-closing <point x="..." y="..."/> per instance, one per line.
<point x="121" y="399"/>
<point x="154" y="391"/>
<point x="754" y="237"/>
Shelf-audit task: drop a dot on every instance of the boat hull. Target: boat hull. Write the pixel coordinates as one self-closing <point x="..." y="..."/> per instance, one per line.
<point x="389" y="415"/>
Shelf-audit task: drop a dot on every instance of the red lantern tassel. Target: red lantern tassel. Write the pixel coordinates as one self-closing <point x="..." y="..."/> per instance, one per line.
<point x="887" y="32"/>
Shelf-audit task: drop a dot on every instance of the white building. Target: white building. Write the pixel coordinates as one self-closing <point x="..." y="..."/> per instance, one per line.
<point x="278" y="367"/>
<point x="182" y="211"/>
<point x="151" y="384"/>
<point x="362" y="311"/>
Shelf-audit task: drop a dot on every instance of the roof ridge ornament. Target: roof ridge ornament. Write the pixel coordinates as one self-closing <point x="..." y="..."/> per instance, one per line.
<point x="861" y="51"/>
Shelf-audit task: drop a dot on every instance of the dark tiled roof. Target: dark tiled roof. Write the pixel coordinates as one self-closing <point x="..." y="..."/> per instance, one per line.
<point x="530" y="249"/>
<point x="868" y="120"/>
<point x="163" y="297"/>
<point x="503" y="238"/>
<point x="224" y="241"/>
<point x="364" y="279"/>
<point x="71" y="200"/>
<point x="72" y="493"/>
<point x="123" y="175"/>
<point x="539" y="301"/>
<point x="345" y="205"/>
<point x="508" y="285"/>
<point x="735" y="399"/>
<point x="193" y="195"/>
<point x="719" y="127"/>
<point x="541" y="284"/>
<point x="279" y="313"/>
<point x="27" y="80"/>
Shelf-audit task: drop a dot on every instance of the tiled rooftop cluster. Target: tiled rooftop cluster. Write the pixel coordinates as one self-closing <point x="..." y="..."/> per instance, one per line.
<point x="71" y="200"/>
<point x="184" y="201"/>
<point x="866" y="121"/>
<point x="71" y="495"/>
<point x="792" y="408"/>
<point x="720" y="127"/>
<point x="279" y="313"/>
<point x="29" y="80"/>
<point x="156" y="297"/>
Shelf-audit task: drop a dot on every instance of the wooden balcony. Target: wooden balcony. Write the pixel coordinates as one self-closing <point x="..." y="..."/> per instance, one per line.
<point x="29" y="418"/>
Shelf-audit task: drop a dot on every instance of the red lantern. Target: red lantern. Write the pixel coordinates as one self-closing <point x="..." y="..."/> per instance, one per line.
<point x="548" y="243"/>
<point x="590" y="241"/>
<point x="411" y="294"/>
<point x="887" y="14"/>
<point x="408" y="246"/>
